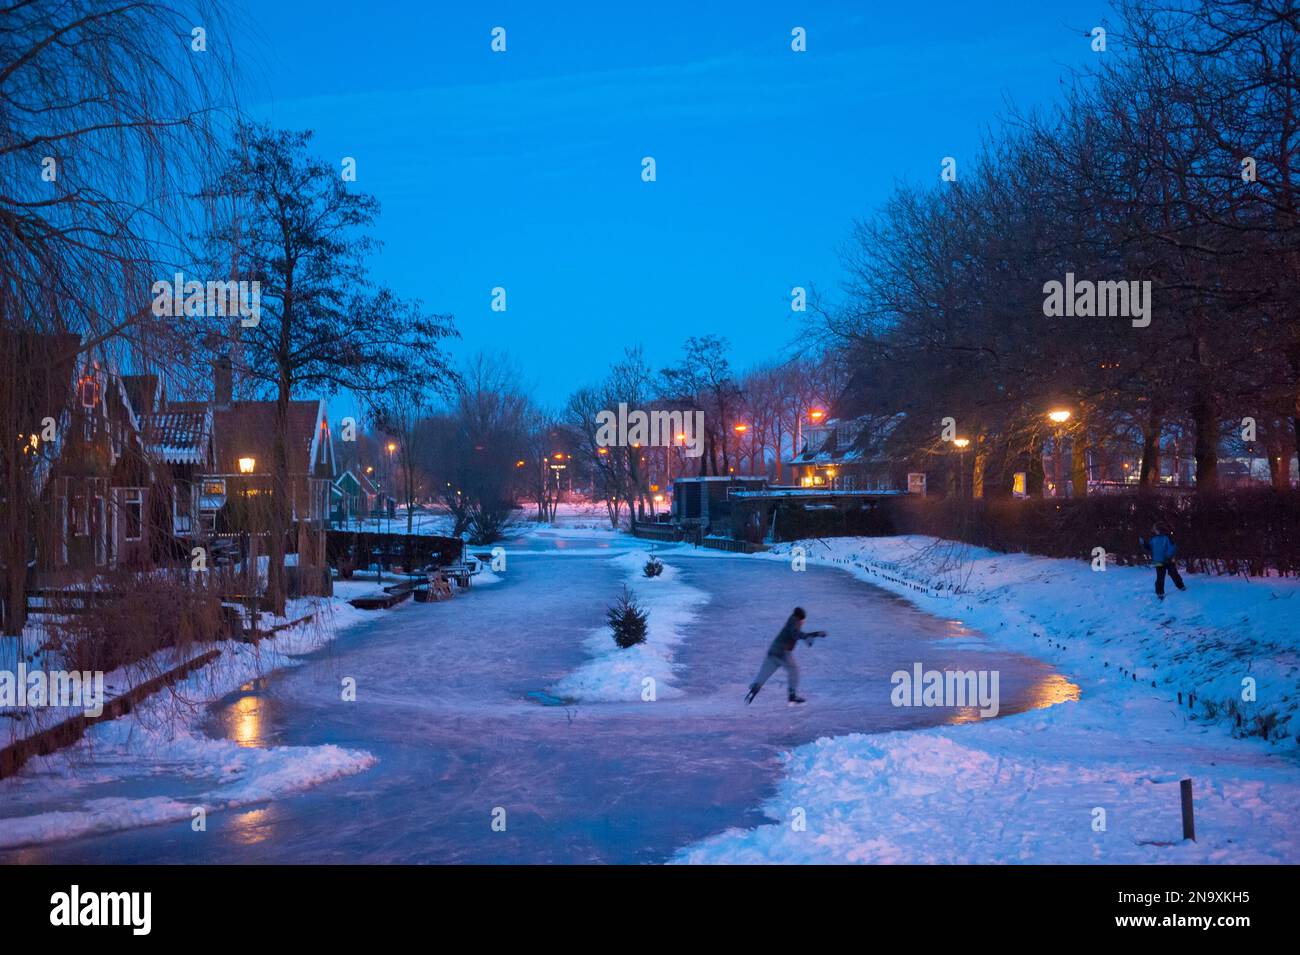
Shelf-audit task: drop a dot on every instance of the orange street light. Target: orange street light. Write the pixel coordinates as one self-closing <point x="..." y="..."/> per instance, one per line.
<point x="1060" y="416"/>
<point x="602" y="450"/>
<point x="741" y="428"/>
<point x="246" y="465"/>
<point x="816" y="414"/>
<point x="961" y="442"/>
<point x="392" y="446"/>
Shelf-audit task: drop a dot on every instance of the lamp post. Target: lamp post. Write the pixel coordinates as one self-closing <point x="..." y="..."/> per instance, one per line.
<point x="246" y="467"/>
<point x="1058" y="418"/>
<point x="961" y="444"/>
<point x="740" y="430"/>
<point x="814" y="415"/>
<point x="389" y="508"/>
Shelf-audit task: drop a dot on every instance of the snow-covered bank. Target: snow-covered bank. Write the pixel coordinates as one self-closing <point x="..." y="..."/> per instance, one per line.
<point x="53" y="796"/>
<point x="1093" y="781"/>
<point x="615" y="674"/>
<point x="1105" y="625"/>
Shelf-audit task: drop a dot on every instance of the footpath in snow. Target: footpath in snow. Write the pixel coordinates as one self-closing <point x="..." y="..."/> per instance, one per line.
<point x="1092" y="781"/>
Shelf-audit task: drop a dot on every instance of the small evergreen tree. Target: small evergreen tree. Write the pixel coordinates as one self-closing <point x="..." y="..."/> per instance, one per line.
<point x="628" y="619"/>
<point x="653" y="567"/>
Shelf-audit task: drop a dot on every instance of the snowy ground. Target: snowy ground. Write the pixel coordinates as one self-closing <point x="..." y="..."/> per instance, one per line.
<point x="614" y="674"/>
<point x="162" y="739"/>
<point x="448" y="725"/>
<point x="1092" y="781"/>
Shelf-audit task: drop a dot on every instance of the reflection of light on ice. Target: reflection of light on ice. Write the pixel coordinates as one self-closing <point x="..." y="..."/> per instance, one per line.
<point x="246" y="721"/>
<point x="1048" y="691"/>
<point x="250" y="828"/>
<point x="1051" y="690"/>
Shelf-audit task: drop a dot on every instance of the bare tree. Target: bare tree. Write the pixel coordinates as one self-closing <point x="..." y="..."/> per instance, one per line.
<point x="299" y="231"/>
<point x="107" y="112"/>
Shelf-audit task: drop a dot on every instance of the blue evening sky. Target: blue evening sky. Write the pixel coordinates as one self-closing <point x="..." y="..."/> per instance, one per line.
<point x="523" y="169"/>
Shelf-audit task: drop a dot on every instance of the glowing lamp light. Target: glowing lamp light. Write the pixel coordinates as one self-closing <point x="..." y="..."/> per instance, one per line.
<point x="246" y="465"/>
<point x="392" y="446"/>
<point x="741" y="428"/>
<point x="816" y="414"/>
<point x="1060" y="417"/>
<point x="961" y="442"/>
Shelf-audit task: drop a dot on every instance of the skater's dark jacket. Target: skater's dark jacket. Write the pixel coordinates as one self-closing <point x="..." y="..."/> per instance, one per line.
<point x="789" y="636"/>
<point x="1162" y="549"/>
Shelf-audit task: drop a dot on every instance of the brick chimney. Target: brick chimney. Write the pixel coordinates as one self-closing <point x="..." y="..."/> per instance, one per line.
<point x="223" y="382"/>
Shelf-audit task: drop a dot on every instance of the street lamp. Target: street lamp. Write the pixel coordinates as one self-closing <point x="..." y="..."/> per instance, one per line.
<point x="1058" y="417"/>
<point x="740" y="430"/>
<point x="246" y="465"/>
<point x="814" y="415"/>
<point x="961" y="444"/>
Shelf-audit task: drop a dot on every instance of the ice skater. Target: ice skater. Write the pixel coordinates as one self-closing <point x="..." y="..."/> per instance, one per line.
<point x="1162" y="549"/>
<point x="781" y="654"/>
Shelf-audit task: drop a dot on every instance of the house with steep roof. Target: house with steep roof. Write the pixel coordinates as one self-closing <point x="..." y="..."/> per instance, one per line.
<point x="355" y="499"/>
<point x="848" y="454"/>
<point x="100" y="484"/>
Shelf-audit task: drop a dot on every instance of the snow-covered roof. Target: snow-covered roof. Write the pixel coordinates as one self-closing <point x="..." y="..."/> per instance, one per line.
<point x="179" y="437"/>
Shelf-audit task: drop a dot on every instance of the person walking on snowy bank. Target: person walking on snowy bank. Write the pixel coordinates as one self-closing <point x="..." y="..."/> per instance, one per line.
<point x="1162" y="549"/>
<point x="781" y="654"/>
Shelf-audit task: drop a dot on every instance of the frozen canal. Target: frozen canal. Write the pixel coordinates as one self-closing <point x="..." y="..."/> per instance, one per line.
<point x="443" y="703"/>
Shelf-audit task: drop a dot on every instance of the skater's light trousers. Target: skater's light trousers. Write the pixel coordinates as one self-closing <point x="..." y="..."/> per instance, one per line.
<point x="771" y="663"/>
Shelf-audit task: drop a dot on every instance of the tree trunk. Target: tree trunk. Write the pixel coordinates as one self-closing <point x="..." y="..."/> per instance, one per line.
<point x="1034" y="475"/>
<point x="977" y="469"/>
<point x="1206" y="421"/>
<point x="1279" y="462"/>
<point x="995" y="482"/>
<point x="1149" y="473"/>
<point x="281" y="506"/>
<point x="1293" y="355"/>
<point x="1079" y="461"/>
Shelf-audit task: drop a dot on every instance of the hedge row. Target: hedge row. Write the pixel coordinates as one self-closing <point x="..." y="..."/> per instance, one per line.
<point x="1252" y="532"/>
